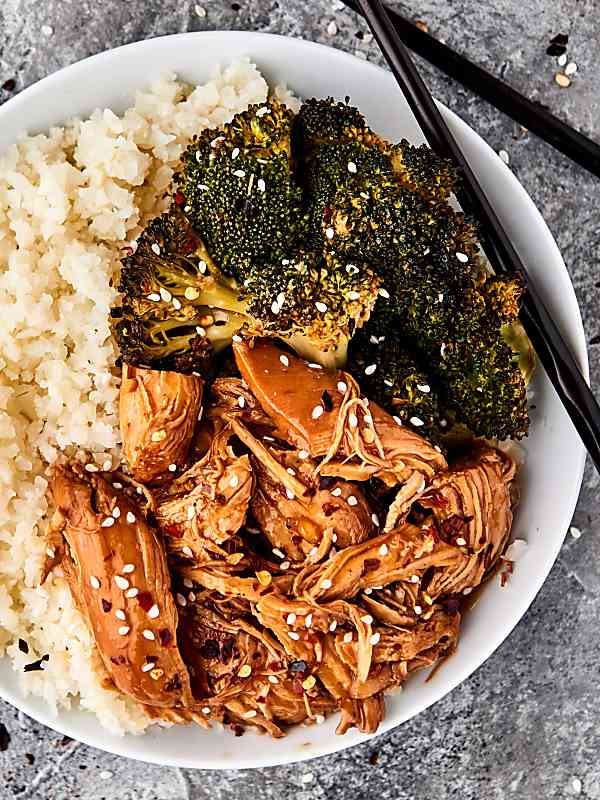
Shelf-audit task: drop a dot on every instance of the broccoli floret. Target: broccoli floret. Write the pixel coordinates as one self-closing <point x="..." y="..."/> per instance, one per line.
<point x="314" y="303"/>
<point x="421" y="170"/>
<point x="453" y="319"/>
<point x="327" y="121"/>
<point x="239" y="191"/>
<point x="178" y="310"/>
<point x="390" y="373"/>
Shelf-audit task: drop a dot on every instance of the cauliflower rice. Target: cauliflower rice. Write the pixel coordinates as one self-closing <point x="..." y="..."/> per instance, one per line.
<point x="70" y="202"/>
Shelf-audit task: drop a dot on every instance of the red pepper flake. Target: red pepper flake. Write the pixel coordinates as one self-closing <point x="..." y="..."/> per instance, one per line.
<point x="165" y="636"/>
<point x="297" y="687"/>
<point x="174" y="530"/>
<point x="118" y="660"/>
<point x="106" y="606"/>
<point x="371" y="564"/>
<point x="179" y="199"/>
<point x="327" y="212"/>
<point x="145" y="600"/>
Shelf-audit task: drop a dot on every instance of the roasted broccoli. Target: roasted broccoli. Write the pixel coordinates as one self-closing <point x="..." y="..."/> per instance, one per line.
<point x="239" y="191"/>
<point x="419" y="169"/>
<point x="178" y="309"/>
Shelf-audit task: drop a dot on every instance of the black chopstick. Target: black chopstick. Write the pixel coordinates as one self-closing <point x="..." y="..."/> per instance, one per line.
<point x="533" y="116"/>
<point x="552" y="350"/>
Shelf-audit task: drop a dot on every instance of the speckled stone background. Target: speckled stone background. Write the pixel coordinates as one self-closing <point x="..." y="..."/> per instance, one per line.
<point x="526" y="725"/>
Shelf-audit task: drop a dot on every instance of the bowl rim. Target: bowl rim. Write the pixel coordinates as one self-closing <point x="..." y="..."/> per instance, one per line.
<point x="64" y="726"/>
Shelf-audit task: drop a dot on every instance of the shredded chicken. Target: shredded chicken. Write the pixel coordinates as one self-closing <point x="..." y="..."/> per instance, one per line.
<point x="319" y="550"/>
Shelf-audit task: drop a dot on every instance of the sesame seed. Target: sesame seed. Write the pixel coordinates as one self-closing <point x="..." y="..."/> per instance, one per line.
<point x="384" y="550"/>
<point x="181" y="601"/>
<point x="148" y="635"/>
<point x="290" y="471"/>
<point x="317" y="412"/>
<point x="333" y="625"/>
<point x="172" y="467"/>
<point x="108" y="522"/>
<point x="165" y="295"/>
<point x="284" y="360"/>
<point x="309" y="683"/>
<point x="206" y="710"/>
<point x="158" y="436"/>
<point x="107" y="465"/>
<point x="571" y="68"/>
<point x="94" y="582"/>
<point x="368" y="590"/>
<point x="368" y="419"/>
<point x="202" y="186"/>
<point x="312" y="365"/>
<point x="303" y="454"/>
<point x="313" y="551"/>
<point x="234" y="481"/>
<point x="236" y="338"/>
<point x="342" y="387"/>
<point x="319" y="719"/>
<point x="353" y="295"/>
<point x="155" y="248"/>
<point x="326" y="584"/>
<point x="461" y="542"/>
<point x="397" y="420"/>
<point x="275" y="307"/>
<point x="375" y="519"/>
<point x="239" y="173"/>
<point x="352" y="501"/>
<point x="262" y="111"/>
<point x="575" y="532"/>
<point x="130" y="517"/>
<point x="562" y="59"/>
<point x="322" y="307"/>
<point x="187" y="551"/>
<point x="289" y="494"/>
<point x="273" y="679"/>
<point x="352" y="420"/>
<point x="277" y="552"/>
<point x="332" y="28"/>
<point x="191" y="513"/>
<point x="202" y="265"/>
<point x="91" y="468"/>
<point x="330" y="233"/>
<point x="352" y="167"/>
<point x="128" y="568"/>
<point x="250" y="714"/>
<point x="188" y="583"/>
<point x="153" y="612"/>
<point x="424" y="387"/>
<point x="334" y="537"/>
<point x="370" y="369"/>
<point x="131" y="592"/>
<point x="384" y="293"/>
<point x="154" y="296"/>
<point x="374" y="639"/>
<point x="119" y="614"/>
<point x="123" y="630"/>
<point x="285" y="565"/>
<point x="308" y="620"/>
<point x="336" y="492"/>
<point x="418" y="610"/>
<point x="414" y="579"/>
<point x="192" y="597"/>
<point x="121" y="582"/>
<point x="462" y="258"/>
<point x="147" y="667"/>
<point x="261" y="185"/>
<point x="281" y="298"/>
<point x="293" y="635"/>
<point x="116" y="512"/>
<point x="416" y="422"/>
<point x="235" y="153"/>
<point x="348" y="637"/>
<point x="351" y="269"/>
<point x="504" y="156"/>
<point x="176" y="304"/>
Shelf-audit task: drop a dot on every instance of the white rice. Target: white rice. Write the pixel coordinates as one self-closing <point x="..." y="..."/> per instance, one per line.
<point x="69" y="202"/>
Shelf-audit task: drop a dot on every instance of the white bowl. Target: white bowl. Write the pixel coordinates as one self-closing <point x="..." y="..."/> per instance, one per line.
<point x="549" y="494"/>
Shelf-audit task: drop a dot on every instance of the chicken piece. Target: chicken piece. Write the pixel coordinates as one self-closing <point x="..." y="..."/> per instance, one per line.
<point x="208" y="503"/>
<point x="158" y="414"/>
<point x="117" y="573"/>
<point x="471" y="504"/>
<point x="379" y="561"/>
<point x="297" y="509"/>
<point x="321" y="411"/>
<point x="244" y="674"/>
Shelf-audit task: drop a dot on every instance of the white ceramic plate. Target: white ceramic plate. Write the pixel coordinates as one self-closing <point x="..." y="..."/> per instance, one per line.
<point x="549" y="495"/>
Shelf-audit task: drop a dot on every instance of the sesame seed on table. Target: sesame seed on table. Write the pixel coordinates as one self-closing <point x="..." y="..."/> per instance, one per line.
<point x="525" y="725"/>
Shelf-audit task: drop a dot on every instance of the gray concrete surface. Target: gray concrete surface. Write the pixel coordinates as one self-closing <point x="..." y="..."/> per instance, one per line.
<point x="526" y="724"/>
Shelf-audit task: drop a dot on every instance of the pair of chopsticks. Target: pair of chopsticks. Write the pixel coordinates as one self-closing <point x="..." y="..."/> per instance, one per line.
<point x="533" y="116"/>
<point x="552" y="350"/>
